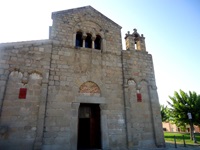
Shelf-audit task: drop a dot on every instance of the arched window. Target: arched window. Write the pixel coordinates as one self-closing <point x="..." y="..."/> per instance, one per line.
<point x="88" y="41"/>
<point x="79" y="41"/>
<point x="97" y="42"/>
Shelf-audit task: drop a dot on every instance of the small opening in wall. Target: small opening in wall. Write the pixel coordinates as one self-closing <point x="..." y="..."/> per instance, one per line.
<point x="98" y="42"/>
<point x="79" y="41"/>
<point x="135" y="45"/>
<point x="88" y="41"/>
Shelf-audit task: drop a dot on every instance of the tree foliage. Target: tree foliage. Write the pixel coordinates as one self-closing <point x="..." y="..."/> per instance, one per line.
<point x="164" y="110"/>
<point x="182" y="103"/>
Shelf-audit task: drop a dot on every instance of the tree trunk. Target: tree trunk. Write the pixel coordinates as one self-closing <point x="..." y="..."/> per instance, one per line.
<point x="192" y="135"/>
<point x="191" y="130"/>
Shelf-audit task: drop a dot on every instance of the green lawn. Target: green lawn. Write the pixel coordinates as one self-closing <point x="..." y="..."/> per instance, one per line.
<point x="169" y="137"/>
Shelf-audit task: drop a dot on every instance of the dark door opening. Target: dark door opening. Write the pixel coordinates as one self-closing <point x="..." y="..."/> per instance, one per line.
<point x="89" y="132"/>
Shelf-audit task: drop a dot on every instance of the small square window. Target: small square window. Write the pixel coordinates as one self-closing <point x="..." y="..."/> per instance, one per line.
<point x="22" y="93"/>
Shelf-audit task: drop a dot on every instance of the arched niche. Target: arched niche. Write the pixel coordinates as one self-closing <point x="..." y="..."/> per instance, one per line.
<point x="143" y="89"/>
<point x="131" y="82"/>
<point x="15" y="79"/>
<point x="15" y="75"/>
<point x="88" y="27"/>
<point x="90" y="88"/>
<point x="35" y="77"/>
<point x="132" y="90"/>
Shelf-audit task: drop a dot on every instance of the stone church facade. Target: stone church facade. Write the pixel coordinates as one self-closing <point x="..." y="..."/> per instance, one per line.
<point x="79" y="89"/>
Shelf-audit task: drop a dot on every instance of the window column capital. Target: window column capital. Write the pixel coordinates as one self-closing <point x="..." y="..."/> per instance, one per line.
<point x="84" y="36"/>
<point x="93" y="38"/>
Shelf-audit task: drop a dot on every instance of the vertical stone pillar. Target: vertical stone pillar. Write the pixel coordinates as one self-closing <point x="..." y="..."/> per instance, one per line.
<point x="4" y="76"/>
<point x="84" y="37"/>
<point x="41" y="118"/>
<point x="130" y="42"/>
<point x="156" y="116"/>
<point x="74" y="39"/>
<point x="93" y="39"/>
<point x="3" y="84"/>
<point x="74" y="126"/>
<point x="103" y="44"/>
<point x="83" y="42"/>
<point x="104" y="127"/>
<point x="128" y="118"/>
<point x="142" y="43"/>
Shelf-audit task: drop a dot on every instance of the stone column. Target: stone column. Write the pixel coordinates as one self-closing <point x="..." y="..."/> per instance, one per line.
<point x="142" y="43"/>
<point x="74" y="39"/>
<point x="74" y="126"/>
<point x="93" y="39"/>
<point x="104" y="127"/>
<point x="103" y="44"/>
<point x="84" y="37"/>
<point x="130" y="43"/>
<point x="41" y="118"/>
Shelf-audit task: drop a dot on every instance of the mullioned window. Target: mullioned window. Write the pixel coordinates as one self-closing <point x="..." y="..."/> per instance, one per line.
<point x="88" y="41"/>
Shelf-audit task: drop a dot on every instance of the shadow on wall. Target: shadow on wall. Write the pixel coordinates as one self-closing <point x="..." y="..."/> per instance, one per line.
<point x="4" y="131"/>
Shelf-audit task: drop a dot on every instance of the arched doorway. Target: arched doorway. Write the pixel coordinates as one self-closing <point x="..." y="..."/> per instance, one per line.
<point x="89" y="131"/>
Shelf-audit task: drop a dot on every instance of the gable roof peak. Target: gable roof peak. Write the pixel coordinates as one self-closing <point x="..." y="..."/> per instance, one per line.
<point x="79" y="9"/>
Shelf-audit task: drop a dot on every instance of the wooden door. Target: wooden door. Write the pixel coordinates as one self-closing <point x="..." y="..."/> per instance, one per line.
<point x="95" y="132"/>
<point x="89" y="133"/>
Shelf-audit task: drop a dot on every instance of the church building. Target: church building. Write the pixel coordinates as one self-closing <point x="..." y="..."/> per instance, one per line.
<point x="79" y="89"/>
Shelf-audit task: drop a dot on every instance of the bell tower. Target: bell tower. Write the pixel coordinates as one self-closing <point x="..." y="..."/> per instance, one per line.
<point x="144" y="126"/>
<point x="134" y="41"/>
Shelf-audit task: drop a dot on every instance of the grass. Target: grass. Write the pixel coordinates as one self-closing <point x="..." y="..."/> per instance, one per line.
<point x="169" y="137"/>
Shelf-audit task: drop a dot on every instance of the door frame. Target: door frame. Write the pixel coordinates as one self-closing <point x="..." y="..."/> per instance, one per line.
<point x="74" y="120"/>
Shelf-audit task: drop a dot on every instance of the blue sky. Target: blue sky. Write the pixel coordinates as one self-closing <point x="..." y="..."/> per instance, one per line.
<point x="171" y="28"/>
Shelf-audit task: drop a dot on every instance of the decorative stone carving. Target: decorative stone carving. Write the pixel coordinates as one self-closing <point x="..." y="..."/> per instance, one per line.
<point x="90" y="88"/>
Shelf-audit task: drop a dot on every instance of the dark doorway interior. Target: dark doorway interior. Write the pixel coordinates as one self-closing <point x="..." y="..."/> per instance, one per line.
<point x="89" y="133"/>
